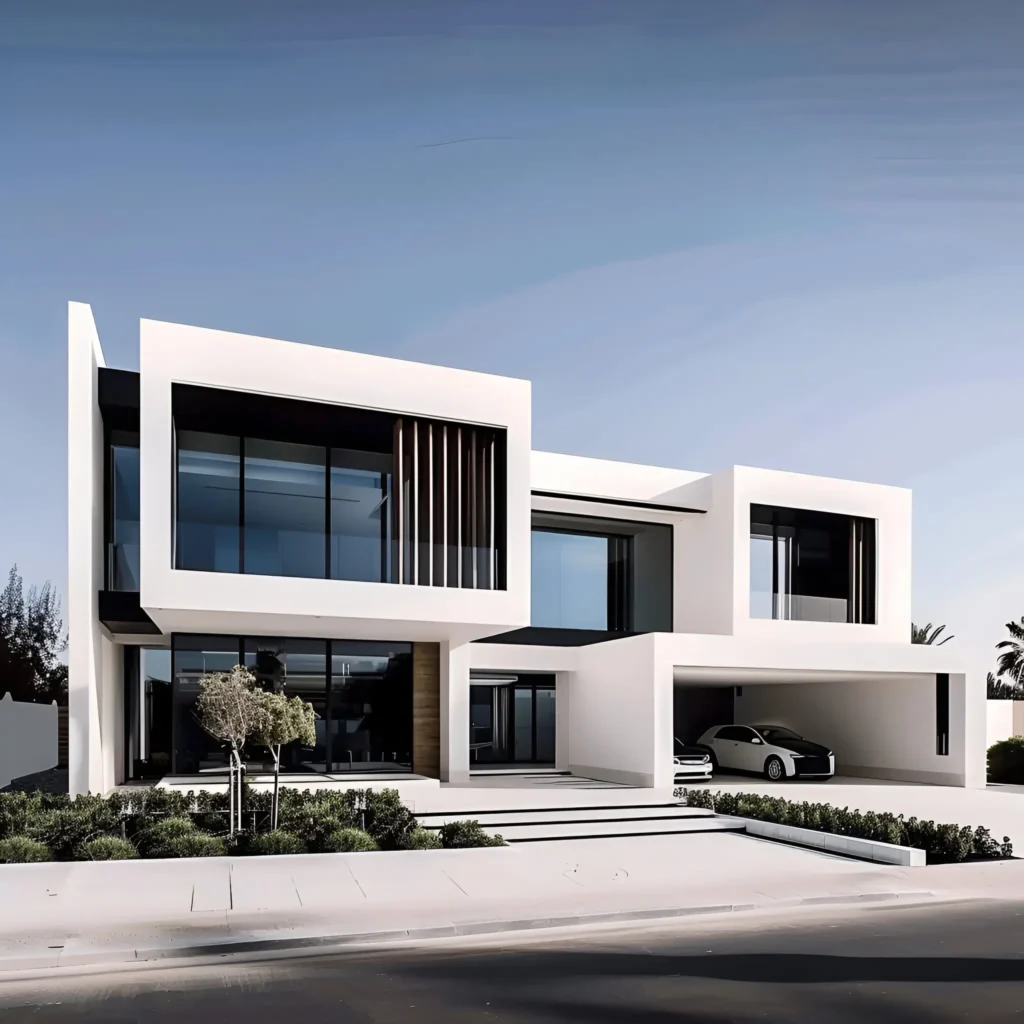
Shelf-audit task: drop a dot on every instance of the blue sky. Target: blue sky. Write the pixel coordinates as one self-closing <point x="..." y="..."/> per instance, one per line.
<point x="784" y="234"/>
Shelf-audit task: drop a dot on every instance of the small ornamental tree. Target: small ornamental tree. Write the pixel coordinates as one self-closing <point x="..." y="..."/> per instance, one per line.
<point x="283" y="720"/>
<point x="231" y="710"/>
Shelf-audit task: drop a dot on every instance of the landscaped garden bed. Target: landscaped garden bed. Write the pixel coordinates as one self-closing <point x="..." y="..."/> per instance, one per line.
<point x="944" y="844"/>
<point x="158" y="823"/>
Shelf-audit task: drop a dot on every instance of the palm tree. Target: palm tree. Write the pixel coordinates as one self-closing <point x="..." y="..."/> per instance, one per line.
<point x="999" y="690"/>
<point x="927" y="635"/>
<point x="1011" y="661"/>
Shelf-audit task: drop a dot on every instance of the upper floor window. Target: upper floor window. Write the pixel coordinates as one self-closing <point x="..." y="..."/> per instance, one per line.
<point x="593" y="573"/>
<point x="376" y="498"/>
<point x="811" y="566"/>
<point x="123" y="512"/>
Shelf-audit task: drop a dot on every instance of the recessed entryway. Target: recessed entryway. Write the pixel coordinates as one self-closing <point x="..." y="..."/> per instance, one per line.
<point x="511" y="720"/>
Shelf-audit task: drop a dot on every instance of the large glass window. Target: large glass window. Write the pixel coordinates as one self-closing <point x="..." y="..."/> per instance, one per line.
<point x="148" y="712"/>
<point x="360" y="516"/>
<point x="606" y="574"/>
<point x="512" y="719"/>
<point x="569" y="580"/>
<point x="360" y="691"/>
<point x="284" y="510"/>
<point x="296" y="668"/>
<point x="206" y="532"/>
<point x="123" y="552"/>
<point x="370" y="715"/>
<point x="811" y="566"/>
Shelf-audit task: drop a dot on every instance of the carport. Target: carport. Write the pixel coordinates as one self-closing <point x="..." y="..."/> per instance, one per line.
<point x="905" y="727"/>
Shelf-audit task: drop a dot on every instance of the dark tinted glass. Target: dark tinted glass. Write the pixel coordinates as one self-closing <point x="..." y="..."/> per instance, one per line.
<point x="193" y="657"/>
<point x="296" y="668"/>
<point x="206" y="535"/>
<point x="123" y="554"/>
<point x="360" y="516"/>
<point x="370" y="726"/>
<point x="285" y="511"/>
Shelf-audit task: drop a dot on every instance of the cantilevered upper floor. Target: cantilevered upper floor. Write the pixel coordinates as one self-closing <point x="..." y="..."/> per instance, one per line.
<point x="239" y="484"/>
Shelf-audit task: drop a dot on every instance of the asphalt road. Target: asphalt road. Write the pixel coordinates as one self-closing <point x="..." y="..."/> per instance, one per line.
<point x="880" y="964"/>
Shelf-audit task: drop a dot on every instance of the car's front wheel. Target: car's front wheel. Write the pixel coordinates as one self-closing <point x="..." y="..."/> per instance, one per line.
<point x="774" y="769"/>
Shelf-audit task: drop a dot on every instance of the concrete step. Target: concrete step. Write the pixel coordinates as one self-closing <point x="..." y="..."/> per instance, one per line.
<point x="563" y="815"/>
<point x="621" y="828"/>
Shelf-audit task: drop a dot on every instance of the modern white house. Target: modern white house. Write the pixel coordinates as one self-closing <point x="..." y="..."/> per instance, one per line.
<point x="379" y="537"/>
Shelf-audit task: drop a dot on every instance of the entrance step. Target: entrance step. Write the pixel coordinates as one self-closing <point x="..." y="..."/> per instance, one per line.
<point x="551" y="823"/>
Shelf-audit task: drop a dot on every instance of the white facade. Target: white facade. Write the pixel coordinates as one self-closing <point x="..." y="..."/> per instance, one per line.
<point x="860" y="686"/>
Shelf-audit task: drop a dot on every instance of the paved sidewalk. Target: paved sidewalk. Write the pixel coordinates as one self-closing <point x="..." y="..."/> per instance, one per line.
<point x="82" y="913"/>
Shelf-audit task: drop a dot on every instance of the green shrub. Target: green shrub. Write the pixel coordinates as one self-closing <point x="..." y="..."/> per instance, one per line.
<point x="22" y="850"/>
<point x="388" y="820"/>
<point x="458" y="835"/>
<point x="421" y="839"/>
<point x="155" y="840"/>
<point x="108" y="848"/>
<point x="65" y="829"/>
<point x="194" y="844"/>
<point x="349" y="840"/>
<point x="278" y="842"/>
<point x="1006" y="761"/>
<point x="15" y="811"/>
<point x="944" y="844"/>
<point x="313" y="824"/>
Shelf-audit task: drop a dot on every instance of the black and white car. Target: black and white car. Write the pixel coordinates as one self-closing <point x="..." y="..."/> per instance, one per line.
<point x="692" y="764"/>
<point x="770" y="750"/>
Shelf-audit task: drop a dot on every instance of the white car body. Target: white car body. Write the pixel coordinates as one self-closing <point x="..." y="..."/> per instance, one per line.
<point x="692" y="765"/>
<point x="749" y="748"/>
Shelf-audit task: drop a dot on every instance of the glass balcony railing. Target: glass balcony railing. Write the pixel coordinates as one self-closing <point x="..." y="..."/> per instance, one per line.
<point x="123" y="567"/>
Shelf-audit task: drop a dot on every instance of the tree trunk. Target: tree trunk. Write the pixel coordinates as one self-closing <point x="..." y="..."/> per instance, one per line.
<point x="231" y="792"/>
<point x="276" y="751"/>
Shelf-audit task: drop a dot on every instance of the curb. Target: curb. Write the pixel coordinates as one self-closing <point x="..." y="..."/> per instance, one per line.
<point x="26" y="968"/>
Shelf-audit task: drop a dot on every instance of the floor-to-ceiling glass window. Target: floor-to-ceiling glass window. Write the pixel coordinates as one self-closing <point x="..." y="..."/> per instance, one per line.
<point x="569" y="584"/>
<point x="148" y="709"/>
<point x="370" y="707"/>
<point x="360" y="516"/>
<point x="194" y="657"/>
<point x="295" y="668"/>
<point x="208" y="502"/>
<point x="511" y="719"/>
<point x="123" y="552"/>
<point x="811" y="566"/>
<point x="284" y="509"/>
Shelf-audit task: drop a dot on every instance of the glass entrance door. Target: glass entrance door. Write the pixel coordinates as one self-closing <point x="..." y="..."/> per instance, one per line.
<point x="512" y="721"/>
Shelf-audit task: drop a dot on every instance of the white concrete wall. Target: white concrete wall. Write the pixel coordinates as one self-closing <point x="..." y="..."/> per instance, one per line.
<point x="704" y="555"/>
<point x="233" y="603"/>
<point x="454" y="727"/>
<point x="877" y="727"/>
<point x="28" y="738"/>
<point x="1003" y="719"/>
<point x="575" y="474"/>
<point x="621" y="700"/>
<point x="85" y="554"/>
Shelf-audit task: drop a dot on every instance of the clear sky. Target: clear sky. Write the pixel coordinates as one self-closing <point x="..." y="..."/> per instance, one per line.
<point x="782" y="234"/>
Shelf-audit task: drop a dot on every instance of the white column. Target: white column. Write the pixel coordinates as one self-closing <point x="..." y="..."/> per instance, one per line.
<point x="563" y="721"/>
<point x="454" y="712"/>
<point x="85" y="552"/>
<point x="967" y="726"/>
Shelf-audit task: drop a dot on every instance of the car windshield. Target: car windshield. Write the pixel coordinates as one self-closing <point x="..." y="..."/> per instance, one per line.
<point x="776" y="732"/>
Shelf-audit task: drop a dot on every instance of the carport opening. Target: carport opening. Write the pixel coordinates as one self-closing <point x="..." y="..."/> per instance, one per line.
<point x="696" y="709"/>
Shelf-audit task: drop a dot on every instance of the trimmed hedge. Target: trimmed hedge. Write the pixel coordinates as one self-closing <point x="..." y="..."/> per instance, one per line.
<point x="458" y="835"/>
<point x="109" y="848"/>
<point x="944" y="844"/>
<point x="1006" y="761"/>
<point x="22" y="850"/>
<point x="168" y="823"/>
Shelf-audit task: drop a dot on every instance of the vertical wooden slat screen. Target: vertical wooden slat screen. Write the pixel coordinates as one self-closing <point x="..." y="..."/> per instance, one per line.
<point x="445" y="515"/>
